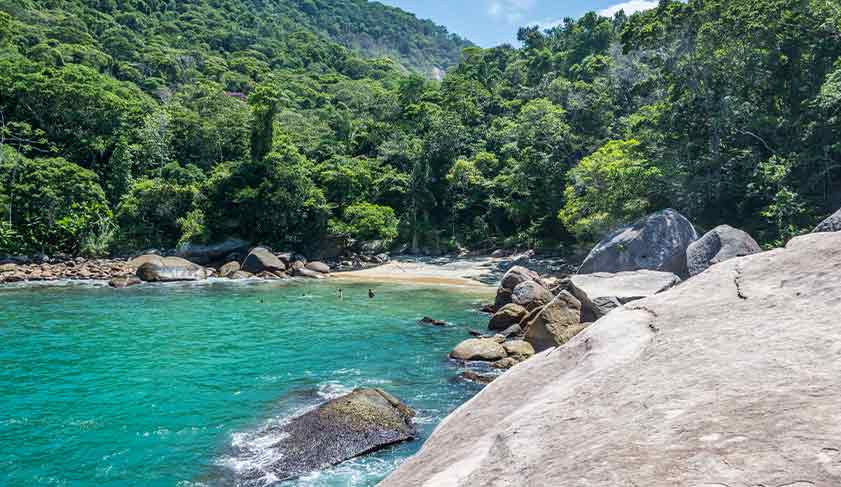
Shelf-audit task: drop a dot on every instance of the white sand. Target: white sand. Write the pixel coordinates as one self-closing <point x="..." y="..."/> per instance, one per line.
<point x="450" y="271"/>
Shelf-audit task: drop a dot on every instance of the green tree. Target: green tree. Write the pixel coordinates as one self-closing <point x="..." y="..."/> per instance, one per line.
<point x="613" y="185"/>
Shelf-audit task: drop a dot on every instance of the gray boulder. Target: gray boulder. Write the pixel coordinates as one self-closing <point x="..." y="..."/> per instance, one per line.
<point x="479" y="349"/>
<point x="602" y="292"/>
<point x="657" y="242"/>
<point x="554" y="324"/>
<point x="361" y="422"/>
<point x="261" y="259"/>
<point x="831" y="224"/>
<point x="304" y="272"/>
<point x="169" y="269"/>
<point x="719" y="244"/>
<point x="730" y="379"/>
<point x="531" y="295"/>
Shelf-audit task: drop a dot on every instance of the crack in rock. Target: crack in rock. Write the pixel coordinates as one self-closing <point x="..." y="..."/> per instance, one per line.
<point x="738" y="282"/>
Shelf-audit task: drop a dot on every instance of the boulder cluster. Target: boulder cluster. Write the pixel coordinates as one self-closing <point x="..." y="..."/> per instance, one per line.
<point x="634" y="262"/>
<point x="258" y="263"/>
<point x="45" y="269"/>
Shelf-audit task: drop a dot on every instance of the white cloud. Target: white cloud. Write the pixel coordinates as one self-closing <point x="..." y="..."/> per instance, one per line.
<point x="629" y="7"/>
<point x="510" y="10"/>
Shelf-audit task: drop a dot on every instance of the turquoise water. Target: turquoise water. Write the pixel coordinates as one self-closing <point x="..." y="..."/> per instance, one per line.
<point x="176" y="385"/>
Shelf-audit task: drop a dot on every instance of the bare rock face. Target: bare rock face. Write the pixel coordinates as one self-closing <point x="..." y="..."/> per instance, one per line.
<point x="169" y="269"/>
<point x="719" y="244"/>
<point x="260" y="259"/>
<point x="657" y="242"/>
<point x="602" y="292"/>
<point x="479" y="349"/>
<point x="831" y="224"/>
<point x="361" y="422"/>
<point x="730" y="379"/>
<point x="510" y="315"/>
<point x="556" y="323"/>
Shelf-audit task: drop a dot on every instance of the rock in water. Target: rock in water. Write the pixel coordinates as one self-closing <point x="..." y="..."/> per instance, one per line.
<point x="554" y="324"/>
<point x="361" y="422"/>
<point x="169" y="269"/>
<point x="657" y="242"/>
<point x="719" y="244"/>
<point x="480" y="349"/>
<point x="260" y="260"/>
<point x="602" y="292"/>
<point x="831" y="224"/>
<point x="730" y="379"/>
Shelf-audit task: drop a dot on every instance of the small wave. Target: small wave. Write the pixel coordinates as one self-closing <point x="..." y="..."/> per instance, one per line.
<point x="352" y="473"/>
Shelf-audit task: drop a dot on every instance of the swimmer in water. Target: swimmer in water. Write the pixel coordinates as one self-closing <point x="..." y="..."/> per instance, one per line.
<point x="340" y="294"/>
<point x="371" y="293"/>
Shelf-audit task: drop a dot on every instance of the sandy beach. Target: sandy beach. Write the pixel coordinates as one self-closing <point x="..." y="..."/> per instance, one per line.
<point x="480" y="272"/>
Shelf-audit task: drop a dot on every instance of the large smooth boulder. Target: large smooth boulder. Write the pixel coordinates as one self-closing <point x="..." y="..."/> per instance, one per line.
<point x="602" y="292"/>
<point x="719" y="244"/>
<point x="510" y="314"/>
<point x="831" y="224"/>
<point x="304" y="272"/>
<point x="260" y="259"/>
<point x="554" y="324"/>
<point x="730" y="379"/>
<point x="169" y="269"/>
<point x="657" y="242"/>
<point x="479" y="349"/>
<point x="361" y="422"/>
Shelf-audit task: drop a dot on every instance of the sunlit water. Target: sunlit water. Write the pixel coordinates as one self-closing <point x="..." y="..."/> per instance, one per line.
<point x="177" y="384"/>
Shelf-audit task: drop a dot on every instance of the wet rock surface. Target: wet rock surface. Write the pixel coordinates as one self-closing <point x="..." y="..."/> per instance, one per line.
<point x="361" y="422"/>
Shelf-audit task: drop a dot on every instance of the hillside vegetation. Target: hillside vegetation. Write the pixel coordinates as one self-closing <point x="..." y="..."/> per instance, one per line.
<point x="130" y="124"/>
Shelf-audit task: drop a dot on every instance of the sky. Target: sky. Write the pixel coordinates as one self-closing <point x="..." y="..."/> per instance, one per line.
<point x="489" y="23"/>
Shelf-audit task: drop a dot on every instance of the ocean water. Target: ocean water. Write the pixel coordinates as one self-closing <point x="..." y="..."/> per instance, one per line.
<point x="178" y="385"/>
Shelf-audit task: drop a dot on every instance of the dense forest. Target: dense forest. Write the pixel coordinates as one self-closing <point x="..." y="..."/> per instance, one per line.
<point x="131" y="124"/>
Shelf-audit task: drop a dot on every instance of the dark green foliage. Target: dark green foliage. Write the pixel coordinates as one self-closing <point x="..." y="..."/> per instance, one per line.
<point x="205" y="119"/>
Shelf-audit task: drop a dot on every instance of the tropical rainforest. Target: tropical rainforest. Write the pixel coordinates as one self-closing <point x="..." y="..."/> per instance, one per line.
<point x="134" y="124"/>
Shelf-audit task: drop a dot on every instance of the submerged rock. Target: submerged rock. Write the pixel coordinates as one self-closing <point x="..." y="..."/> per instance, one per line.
<point x="361" y="422"/>
<point x="730" y="379"/>
<point x="719" y="244"/>
<point x="657" y="242"/>
<point x="602" y="292"/>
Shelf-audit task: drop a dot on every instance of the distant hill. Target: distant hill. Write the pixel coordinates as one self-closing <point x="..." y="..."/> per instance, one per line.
<point x="377" y="30"/>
